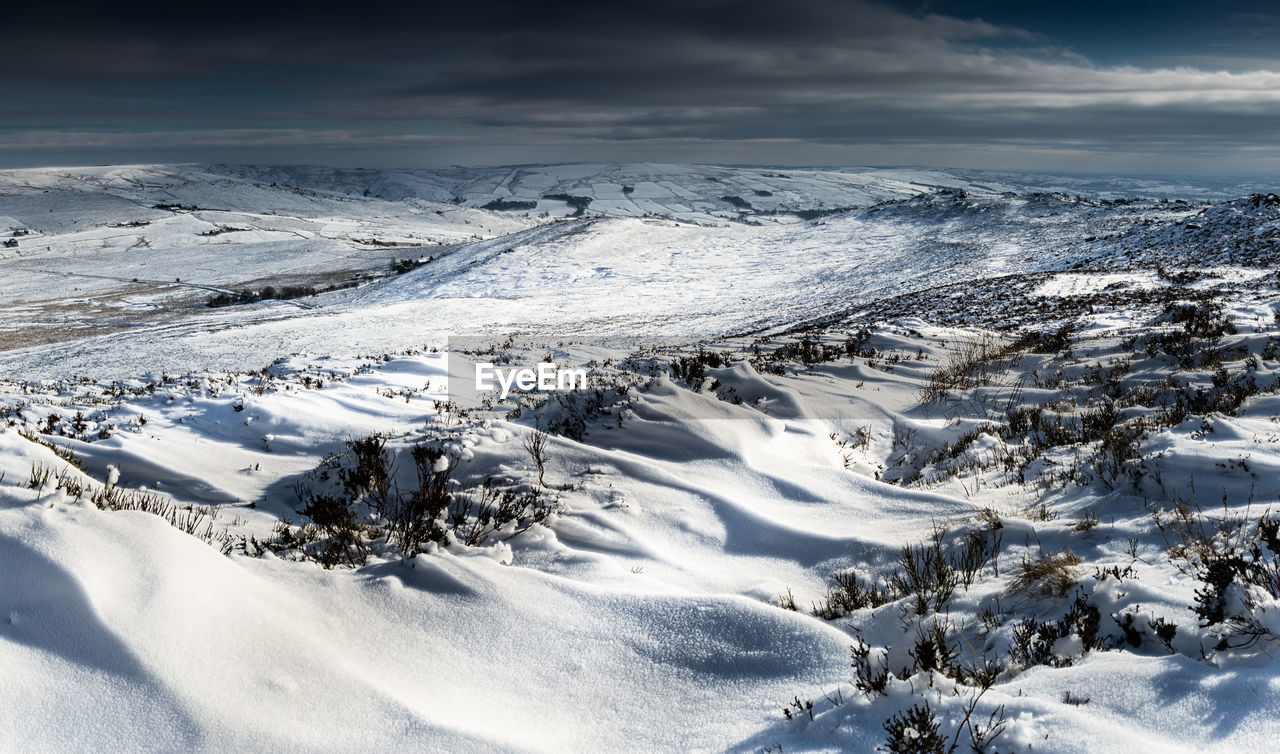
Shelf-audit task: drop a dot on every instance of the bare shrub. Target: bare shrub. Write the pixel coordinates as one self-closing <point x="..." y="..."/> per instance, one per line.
<point x="343" y="543"/>
<point x="915" y="731"/>
<point x="419" y="517"/>
<point x="871" y="679"/>
<point x="535" y="444"/>
<point x="489" y="509"/>
<point x="1235" y="557"/>
<point x="370" y="476"/>
<point x="926" y="575"/>
<point x="978" y="550"/>
<point x="849" y="595"/>
<point x="1034" y="641"/>
<point x="932" y="652"/>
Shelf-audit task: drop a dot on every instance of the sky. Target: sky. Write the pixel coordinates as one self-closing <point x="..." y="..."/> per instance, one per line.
<point x="1133" y="87"/>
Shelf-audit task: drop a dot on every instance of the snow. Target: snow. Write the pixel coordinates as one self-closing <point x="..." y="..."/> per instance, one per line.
<point x="646" y="611"/>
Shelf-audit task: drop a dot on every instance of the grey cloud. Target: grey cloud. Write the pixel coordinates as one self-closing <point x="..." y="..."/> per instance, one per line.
<point x="817" y="77"/>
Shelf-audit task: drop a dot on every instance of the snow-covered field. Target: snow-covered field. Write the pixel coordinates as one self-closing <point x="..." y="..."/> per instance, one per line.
<point x="867" y="458"/>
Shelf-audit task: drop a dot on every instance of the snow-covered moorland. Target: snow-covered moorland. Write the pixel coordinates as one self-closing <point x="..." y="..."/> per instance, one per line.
<point x="919" y="460"/>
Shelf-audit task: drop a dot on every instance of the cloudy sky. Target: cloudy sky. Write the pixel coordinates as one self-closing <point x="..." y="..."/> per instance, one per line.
<point x="1160" y="87"/>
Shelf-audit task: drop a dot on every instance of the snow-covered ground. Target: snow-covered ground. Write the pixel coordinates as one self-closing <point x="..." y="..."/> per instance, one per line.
<point x="288" y="524"/>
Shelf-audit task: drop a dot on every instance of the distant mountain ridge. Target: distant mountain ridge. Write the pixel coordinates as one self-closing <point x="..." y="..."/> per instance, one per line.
<point x="704" y="194"/>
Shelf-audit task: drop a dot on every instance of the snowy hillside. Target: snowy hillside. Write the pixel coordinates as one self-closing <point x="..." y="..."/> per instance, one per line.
<point x="126" y="274"/>
<point x="868" y="458"/>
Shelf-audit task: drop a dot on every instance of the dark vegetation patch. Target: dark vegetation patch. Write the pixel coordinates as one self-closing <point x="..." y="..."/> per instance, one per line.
<point x="401" y="266"/>
<point x="510" y="205"/>
<point x="274" y="293"/>
<point x="579" y="203"/>
<point x="222" y="229"/>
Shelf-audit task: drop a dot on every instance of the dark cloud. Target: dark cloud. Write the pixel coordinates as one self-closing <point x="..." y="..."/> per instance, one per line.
<point x="762" y="82"/>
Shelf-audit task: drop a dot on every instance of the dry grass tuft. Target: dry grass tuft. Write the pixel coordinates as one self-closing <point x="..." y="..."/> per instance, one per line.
<point x="1050" y="575"/>
<point x="970" y="364"/>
